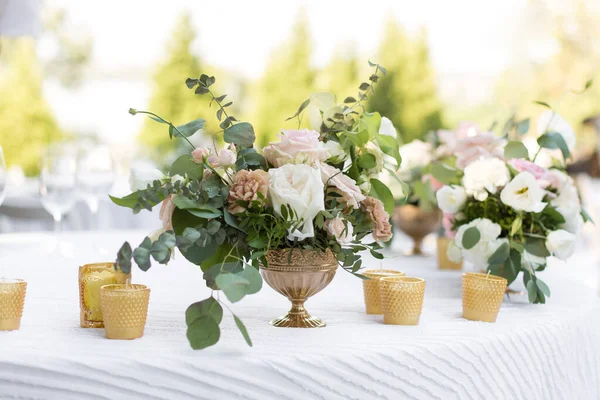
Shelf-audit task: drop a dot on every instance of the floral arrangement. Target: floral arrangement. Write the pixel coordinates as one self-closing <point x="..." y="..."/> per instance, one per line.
<point x="224" y="209"/>
<point x="506" y="213"/>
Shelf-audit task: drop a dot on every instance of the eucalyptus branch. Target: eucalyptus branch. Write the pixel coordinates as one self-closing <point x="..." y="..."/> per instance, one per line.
<point x="160" y="119"/>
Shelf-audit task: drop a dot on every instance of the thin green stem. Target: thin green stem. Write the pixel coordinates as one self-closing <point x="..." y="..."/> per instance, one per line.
<point x="168" y="123"/>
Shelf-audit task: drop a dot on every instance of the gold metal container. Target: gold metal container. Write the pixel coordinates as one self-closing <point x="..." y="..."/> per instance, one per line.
<point x="371" y="288"/>
<point x="125" y="308"/>
<point x="417" y="224"/>
<point x="482" y="296"/>
<point x="298" y="275"/>
<point x="91" y="278"/>
<point x="402" y="299"/>
<point x="442" y="255"/>
<point x="12" y="301"/>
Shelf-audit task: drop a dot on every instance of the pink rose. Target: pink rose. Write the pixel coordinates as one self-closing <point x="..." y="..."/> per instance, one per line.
<point x="380" y="220"/>
<point x="224" y="158"/>
<point x="541" y="174"/>
<point x="467" y="129"/>
<point x="301" y="146"/>
<point x="435" y="184"/>
<point x="344" y="185"/>
<point x="341" y="232"/>
<point x="447" y="223"/>
<point x="484" y="145"/>
<point x="166" y="212"/>
<point x="199" y="154"/>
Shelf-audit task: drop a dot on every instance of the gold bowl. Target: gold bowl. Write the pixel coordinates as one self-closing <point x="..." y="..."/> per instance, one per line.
<point x="416" y="223"/>
<point x="298" y="274"/>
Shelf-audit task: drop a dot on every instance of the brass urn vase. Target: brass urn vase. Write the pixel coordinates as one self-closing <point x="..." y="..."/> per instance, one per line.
<point x="298" y="274"/>
<point x="416" y="223"/>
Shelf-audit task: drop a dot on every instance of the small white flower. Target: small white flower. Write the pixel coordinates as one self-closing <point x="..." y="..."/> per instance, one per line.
<point x="484" y="177"/>
<point x="550" y="121"/>
<point x="336" y="152"/>
<point x="177" y="178"/>
<point x="561" y="244"/>
<point x="487" y="244"/>
<point x="524" y="193"/>
<point x="143" y="175"/>
<point x="454" y="252"/>
<point x="451" y="199"/>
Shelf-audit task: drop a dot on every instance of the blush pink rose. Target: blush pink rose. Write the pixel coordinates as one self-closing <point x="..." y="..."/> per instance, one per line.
<point x="541" y="174"/>
<point x="380" y="220"/>
<point x="224" y="158"/>
<point x="344" y="185"/>
<point x="484" y="145"/>
<point x="447" y="223"/>
<point x="298" y="147"/>
<point x="435" y="184"/>
<point x="336" y="228"/>
<point x="166" y="212"/>
<point x="199" y="154"/>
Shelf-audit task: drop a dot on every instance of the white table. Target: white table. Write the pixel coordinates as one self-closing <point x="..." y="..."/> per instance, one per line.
<point x="547" y="351"/>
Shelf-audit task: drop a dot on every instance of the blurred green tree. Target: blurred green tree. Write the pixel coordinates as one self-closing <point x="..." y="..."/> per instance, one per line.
<point x="27" y="124"/>
<point x="341" y="76"/>
<point x="407" y="95"/>
<point x="287" y="81"/>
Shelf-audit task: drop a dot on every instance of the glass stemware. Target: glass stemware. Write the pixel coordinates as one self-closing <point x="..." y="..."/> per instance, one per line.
<point x="58" y="189"/>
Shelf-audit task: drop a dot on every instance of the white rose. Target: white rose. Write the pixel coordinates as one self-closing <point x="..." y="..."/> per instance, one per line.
<point x="451" y="199"/>
<point x="341" y="232"/>
<point x="561" y="244"/>
<point x="301" y="188"/>
<point x="574" y="224"/>
<point x="415" y="154"/>
<point x="387" y="128"/>
<point x="485" y="176"/>
<point x="336" y="152"/>
<point x="550" y="121"/>
<point x="454" y="252"/>
<point x="143" y="175"/>
<point x="567" y="202"/>
<point x="486" y="246"/>
<point x="524" y="193"/>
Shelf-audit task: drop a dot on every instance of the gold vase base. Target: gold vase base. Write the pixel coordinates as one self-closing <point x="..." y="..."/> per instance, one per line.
<point x="450" y="266"/>
<point x="10" y="324"/>
<point x="124" y="333"/>
<point x="298" y="320"/>
<point x="478" y="315"/>
<point x="401" y="319"/>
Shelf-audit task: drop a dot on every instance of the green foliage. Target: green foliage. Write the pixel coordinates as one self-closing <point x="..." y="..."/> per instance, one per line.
<point x="515" y="149"/>
<point x="380" y="191"/>
<point x="471" y="238"/>
<point x="26" y="121"/>
<point x="407" y="95"/>
<point x="554" y="140"/>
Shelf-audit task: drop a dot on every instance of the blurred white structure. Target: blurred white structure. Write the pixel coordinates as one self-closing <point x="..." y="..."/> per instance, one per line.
<point x="20" y="17"/>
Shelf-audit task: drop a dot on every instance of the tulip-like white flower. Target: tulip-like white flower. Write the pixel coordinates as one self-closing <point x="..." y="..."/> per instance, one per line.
<point x="550" y="121"/>
<point x="143" y="175"/>
<point x="301" y="188"/>
<point x="486" y="246"/>
<point x="561" y="244"/>
<point x="336" y="152"/>
<point x="485" y="176"/>
<point x="567" y="202"/>
<point x="524" y="193"/>
<point x="451" y="199"/>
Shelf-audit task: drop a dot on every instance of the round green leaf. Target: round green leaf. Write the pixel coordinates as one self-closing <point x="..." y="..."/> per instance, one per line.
<point x="254" y="279"/>
<point x="471" y="238"/>
<point x="234" y="286"/>
<point x="515" y="149"/>
<point x="205" y="308"/>
<point x="203" y="332"/>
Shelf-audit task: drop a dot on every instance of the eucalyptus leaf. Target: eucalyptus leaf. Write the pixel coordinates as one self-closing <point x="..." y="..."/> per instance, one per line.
<point x="532" y="291"/>
<point x="254" y="279"/>
<point x="380" y="191"/>
<point x="500" y="255"/>
<point x="208" y="307"/>
<point x="203" y="332"/>
<point x="124" y="258"/>
<point x="554" y="140"/>
<point x="241" y="134"/>
<point x="389" y="146"/>
<point x="185" y="165"/>
<point x="190" y="128"/>
<point x="543" y="287"/>
<point x="537" y="247"/>
<point x="515" y="149"/>
<point x="522" y="127"/>
<point x="243" y="330"/>
<point x="444" y="173"/>
<point x="471" y="238"/>
<point x="235" y="286"/>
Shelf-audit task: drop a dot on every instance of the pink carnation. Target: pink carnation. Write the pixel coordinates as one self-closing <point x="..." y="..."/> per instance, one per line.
<point x="380" y="219"/>
<point x="484" y="145"/>
<point x="302" y="146"/>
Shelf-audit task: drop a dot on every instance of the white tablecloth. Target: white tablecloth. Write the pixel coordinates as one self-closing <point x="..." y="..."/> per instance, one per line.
<point x="547" y="351"/>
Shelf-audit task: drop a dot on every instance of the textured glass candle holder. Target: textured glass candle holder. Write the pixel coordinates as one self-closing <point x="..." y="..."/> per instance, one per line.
<point x="482" y="296"/>
<point x="91" y="278"/>
<point x="371" y="288"/>
<point x="125" y="308"/>
<point x="442" y="255"/>
<point x="402" y="299"/>
<point x="12" y="300"/>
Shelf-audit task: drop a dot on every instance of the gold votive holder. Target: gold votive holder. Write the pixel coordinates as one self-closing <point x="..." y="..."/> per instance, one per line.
<point x="12" y="301"/>
<point x="442" y="255"/>
<point x="482" y="296"/>
<point x="402" y="299"/>
<point x="125" y="308"/>
<point x="91" y="278"/>
<point x="371" y="288"/>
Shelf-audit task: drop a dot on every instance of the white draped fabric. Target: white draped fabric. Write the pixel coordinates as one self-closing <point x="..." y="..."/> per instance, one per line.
<point x="20" y="17"/>
<point x="547" y="351"/>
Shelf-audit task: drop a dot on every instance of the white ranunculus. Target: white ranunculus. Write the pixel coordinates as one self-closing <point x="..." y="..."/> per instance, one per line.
<point x="143" y="175"/>
<point x="387" y="128"/>
<point x="524" y="193"/>
<point x="485" y="176"/>
<point x="416" y="154"/>
<point x="561" y="244"/>
<point x="301" y="188"/>
<point x="487" y="244"/>
<point x="451" y="199"/>
<point x="336" y="151"/>
<point x="550" y="121"/>
<point x="454" y="252"/>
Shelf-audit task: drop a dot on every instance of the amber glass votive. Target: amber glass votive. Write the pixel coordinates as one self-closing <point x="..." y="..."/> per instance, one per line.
<point x="12" y="300"/>
<point x="402" y="299"/>
<point x="482" y="296"/>
<point x="91" y="278"/>
<point x="125" y="308"/>
<point x="371" y="288"/>
<point x="442" y="255"/>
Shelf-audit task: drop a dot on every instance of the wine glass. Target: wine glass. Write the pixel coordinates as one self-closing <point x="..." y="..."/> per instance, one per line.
<point x="58" y="188"/>
<point x="95" y="176"/>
